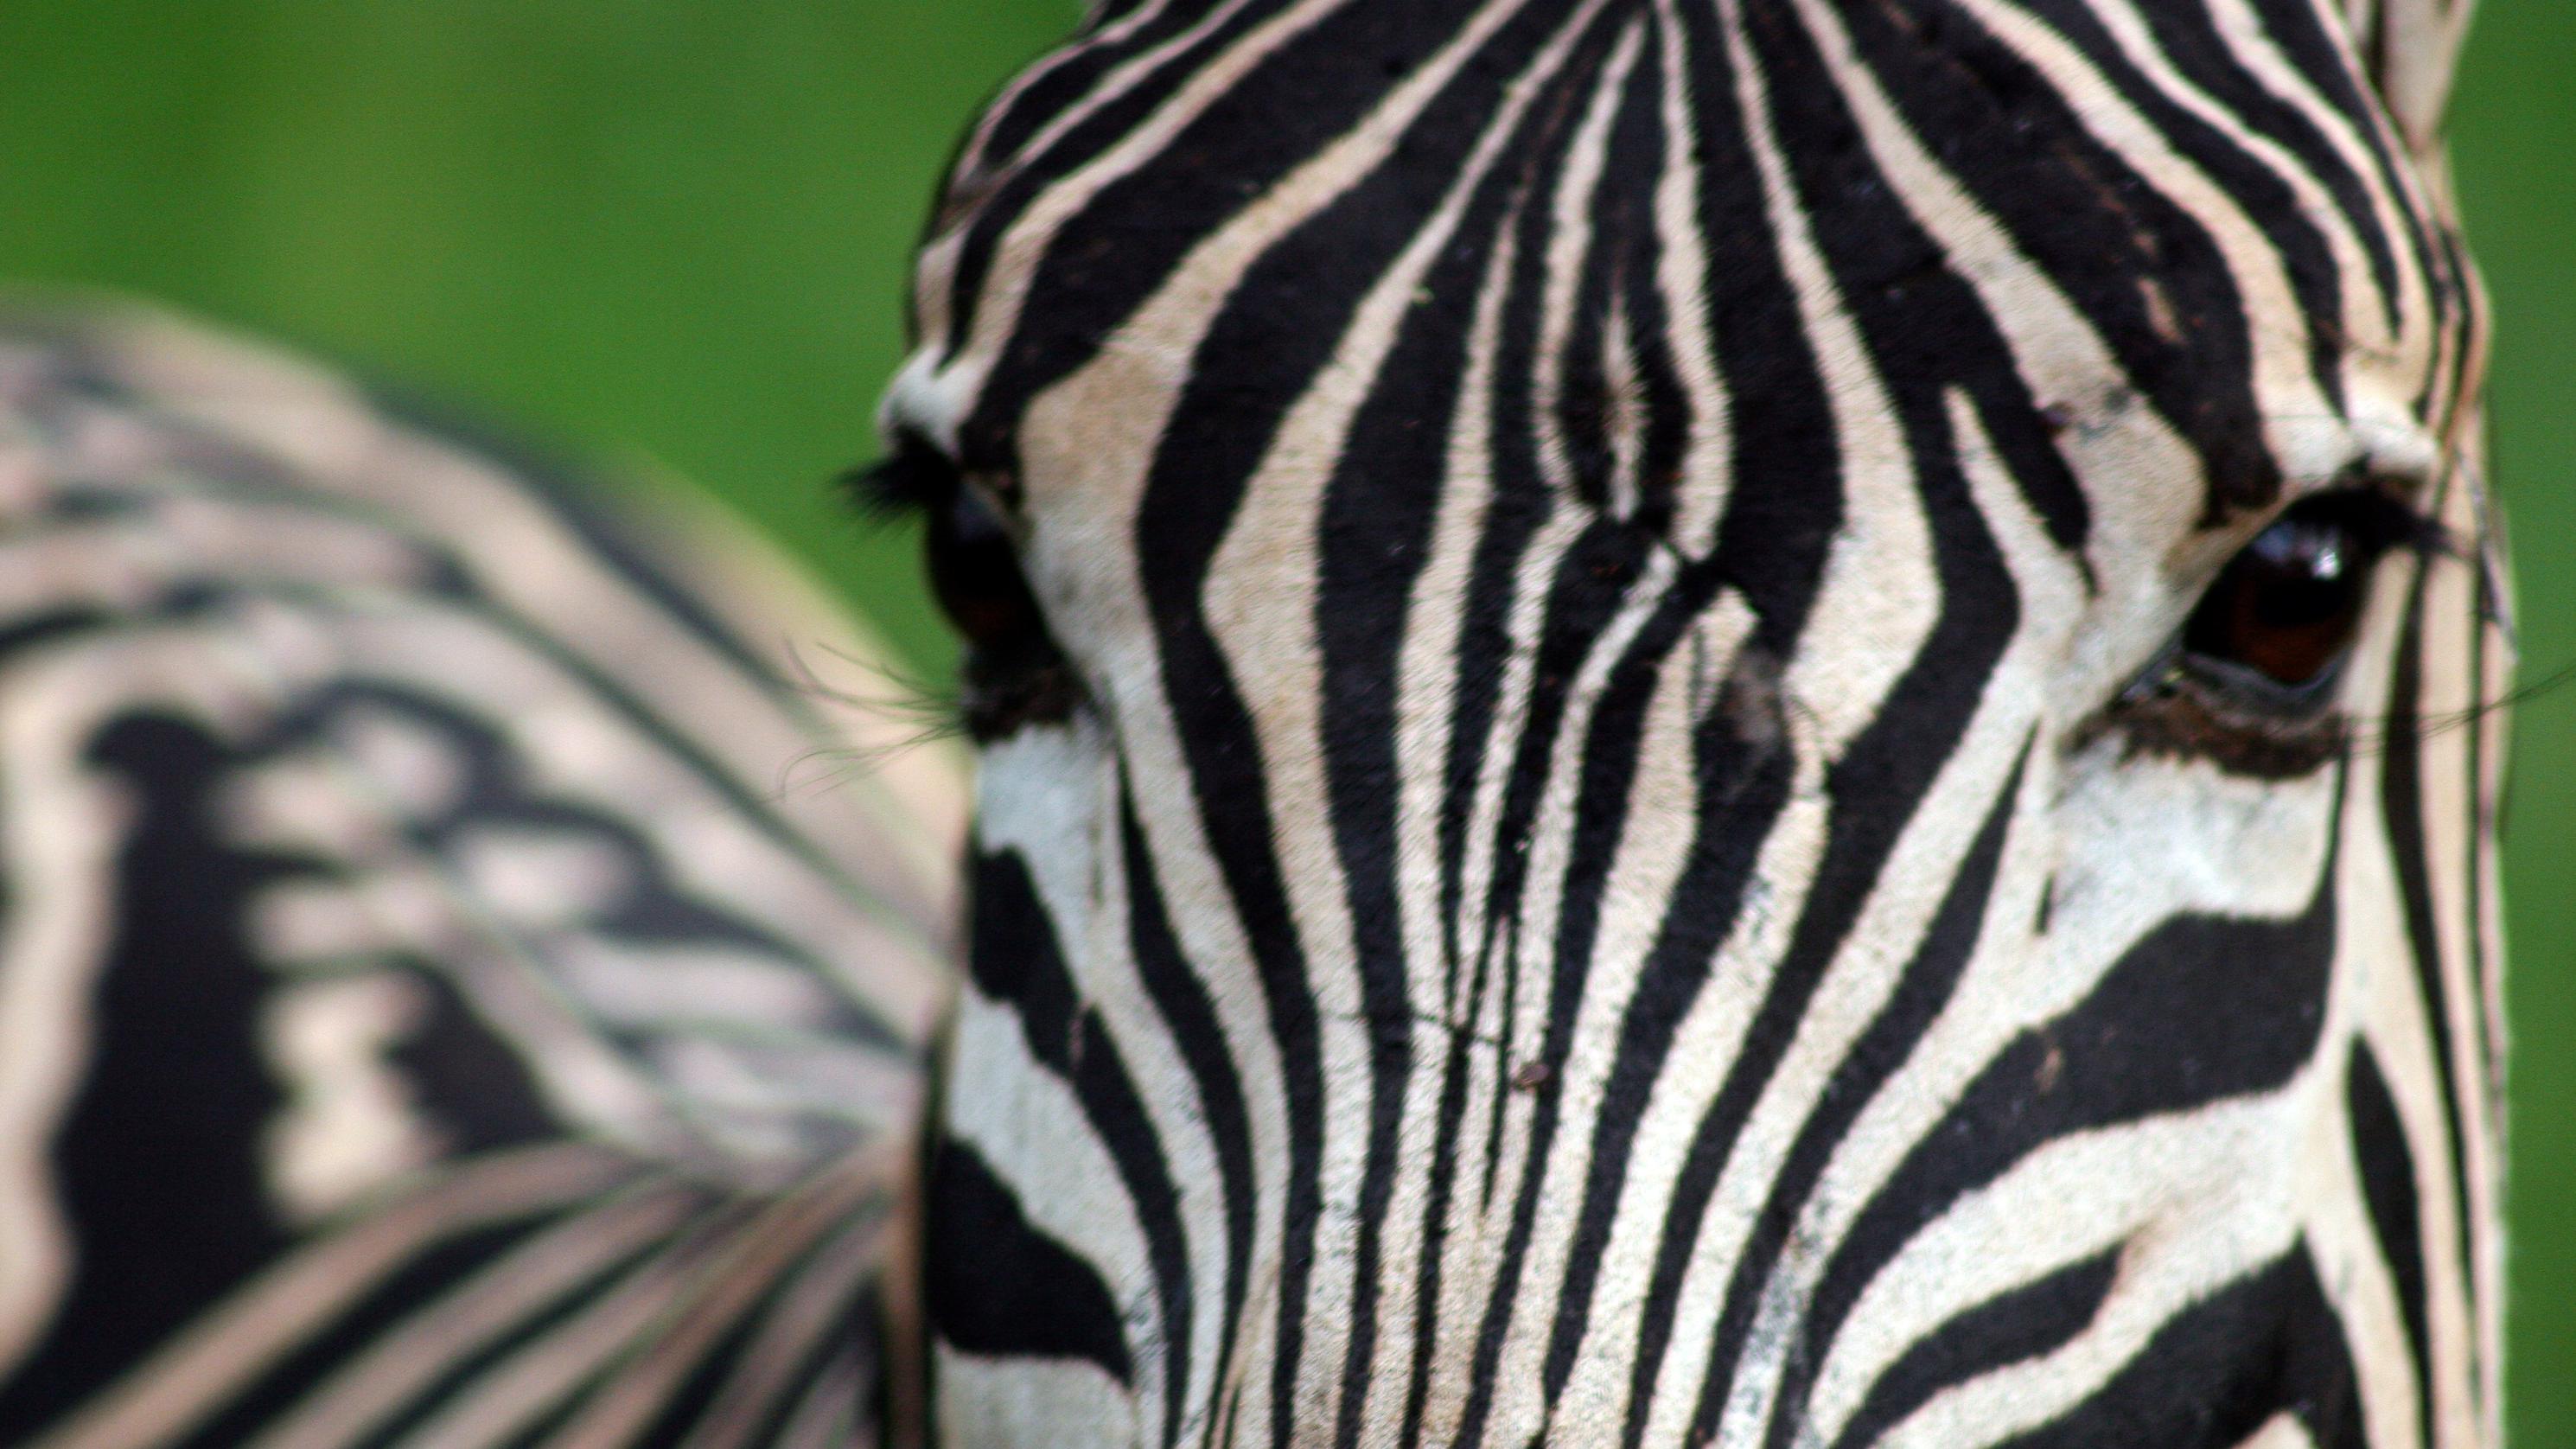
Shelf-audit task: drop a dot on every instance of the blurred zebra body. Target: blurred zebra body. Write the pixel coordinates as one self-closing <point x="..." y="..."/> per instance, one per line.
<point x="445" y="996"/>
<point x="1603" y="824"/>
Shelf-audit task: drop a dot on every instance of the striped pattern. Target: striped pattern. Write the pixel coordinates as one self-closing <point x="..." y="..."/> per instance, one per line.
<point x="454" y="988"/>
<point x="1618" y="882"/>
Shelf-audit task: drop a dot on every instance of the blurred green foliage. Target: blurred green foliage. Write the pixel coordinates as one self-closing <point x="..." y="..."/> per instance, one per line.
<point x="2514" y="130"/>
<point x="681" y="228"/>
<point x="640" y="225"/>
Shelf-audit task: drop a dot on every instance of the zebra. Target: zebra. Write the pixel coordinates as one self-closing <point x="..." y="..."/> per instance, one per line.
<point x="1742" y="722"/>
<point x="457" y="985"/>
<point x="1716" y="722"/>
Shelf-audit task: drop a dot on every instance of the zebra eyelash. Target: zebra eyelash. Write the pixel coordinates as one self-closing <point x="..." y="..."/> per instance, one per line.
<point x="909" y="481"/>
<point x="1011" y="672"/>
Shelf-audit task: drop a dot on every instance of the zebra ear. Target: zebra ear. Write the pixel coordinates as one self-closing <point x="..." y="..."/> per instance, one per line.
<point x="2410" y="49"/>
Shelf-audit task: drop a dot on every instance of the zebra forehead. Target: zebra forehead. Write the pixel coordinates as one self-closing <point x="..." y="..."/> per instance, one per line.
<point x="1674" y="243"/>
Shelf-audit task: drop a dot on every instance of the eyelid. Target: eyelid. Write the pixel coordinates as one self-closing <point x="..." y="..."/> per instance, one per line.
<point x="2386" y="519"/>
<point x="2380" y="512"/>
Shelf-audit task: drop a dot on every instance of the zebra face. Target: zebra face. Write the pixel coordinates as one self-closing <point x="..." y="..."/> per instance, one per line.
<point x="1743" y="721"/>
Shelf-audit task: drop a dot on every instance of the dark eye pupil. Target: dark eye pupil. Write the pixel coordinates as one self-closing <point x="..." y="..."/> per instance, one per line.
<point x="2287" y="606"/>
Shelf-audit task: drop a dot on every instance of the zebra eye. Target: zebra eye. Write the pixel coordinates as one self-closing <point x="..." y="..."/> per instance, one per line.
<point x="975" y="575"/>
<point x="974" y="572"/>
<point x="2285" y="611"/>
<point x="1012" y="672"/>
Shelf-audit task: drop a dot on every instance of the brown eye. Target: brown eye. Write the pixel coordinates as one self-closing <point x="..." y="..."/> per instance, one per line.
<point x="2286" y="609"/>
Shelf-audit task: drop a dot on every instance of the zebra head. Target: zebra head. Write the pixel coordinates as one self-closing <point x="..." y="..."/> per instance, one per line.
<point x="1740" y="721"/>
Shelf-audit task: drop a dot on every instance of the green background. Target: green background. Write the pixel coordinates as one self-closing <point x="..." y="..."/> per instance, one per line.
<point x="677" y="231"/>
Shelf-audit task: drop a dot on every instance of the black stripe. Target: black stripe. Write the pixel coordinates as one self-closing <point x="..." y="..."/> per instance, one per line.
<point x="2076" y="208"/>
<point x="415" y="1285"/>
<point x="1028" y="180"/>
<point x="2036" y="1318"/>
<point x="177" y="1086"/>
<point x="993" y="1284"/>
<point x="1017" y="960"/>
<point x="1640" y="148"/>
<point x="857" y="1340"/>
<point x="1073" y="74"/>
<point x="2402" y="801"/>
<point x="2299" y="28"/>
<point x="682" y="1419"/>
<point x="1584" y="599"/>
<point x="1375" y="527"/>
<point x="1906" y="305"/>
<point x="2188" y="37"/>
<point x="1783" y="502"/>
<point x="2387" y="1170"/>
<point x="472" y="1369"/>
<point x="2219" y="154"/>
<point x="2203" y="1009"/>
<point x="1277" y="330"/>
<point x="1109" y="259"/>
<point x="2221" y="1369"/>
<point x="1584" y="594"/>
<point x="1744" y="772"/>
<point x="1618" y="264"/>
<point x="1177" y="992"/>
<point x="1518" y="503"/>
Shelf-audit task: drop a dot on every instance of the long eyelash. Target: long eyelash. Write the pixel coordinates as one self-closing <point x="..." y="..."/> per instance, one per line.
<point x="913" y="479"/>
<point x="2414" y="530"/>
<point x="2374" y="735"/>
<point x="933" y="712"/>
